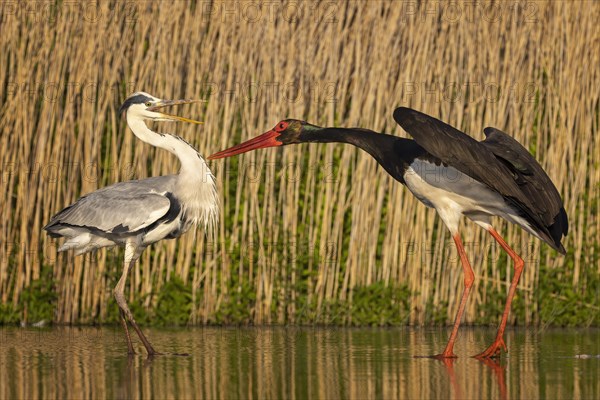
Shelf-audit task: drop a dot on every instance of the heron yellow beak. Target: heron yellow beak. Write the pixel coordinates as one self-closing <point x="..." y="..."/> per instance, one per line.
<point x="167" y="103"/>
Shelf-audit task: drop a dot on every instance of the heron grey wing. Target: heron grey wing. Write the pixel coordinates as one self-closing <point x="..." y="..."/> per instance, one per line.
<point x="157" y="184"/>
<point x="114" y="213"/>
<point x="122" y="207"/>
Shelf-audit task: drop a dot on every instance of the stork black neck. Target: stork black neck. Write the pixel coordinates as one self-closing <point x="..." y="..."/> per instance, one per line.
<point x="393" y="153"/>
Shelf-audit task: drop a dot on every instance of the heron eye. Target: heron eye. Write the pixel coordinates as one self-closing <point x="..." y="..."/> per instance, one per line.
<point x="148" y="104"/>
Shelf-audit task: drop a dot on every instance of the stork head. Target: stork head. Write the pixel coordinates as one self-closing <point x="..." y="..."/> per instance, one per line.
<point x="144" y="106"/>
<point x="288" y="131"/>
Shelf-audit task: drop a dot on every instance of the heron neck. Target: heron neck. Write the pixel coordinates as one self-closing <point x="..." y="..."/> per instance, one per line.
<point x="192" y="164"/>
<point x="196" y="189"/>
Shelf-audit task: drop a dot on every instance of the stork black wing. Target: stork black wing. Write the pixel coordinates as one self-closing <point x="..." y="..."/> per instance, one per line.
<point x="479" y="161"/>
<point x="460" y="151"/>
<point x="511" y="151"/>
<point x="530" y="176"/>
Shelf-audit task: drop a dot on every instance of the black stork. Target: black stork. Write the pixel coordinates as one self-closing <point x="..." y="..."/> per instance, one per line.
<point x="455" y="174"/>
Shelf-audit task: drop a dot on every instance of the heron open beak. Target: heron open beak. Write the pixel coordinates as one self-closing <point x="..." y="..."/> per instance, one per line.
<point x="268" y="139"/>
<point x="168" y="103"/>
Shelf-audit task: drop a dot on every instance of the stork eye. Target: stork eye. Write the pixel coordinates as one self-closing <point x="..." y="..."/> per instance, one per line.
<point x="282" y="126"/>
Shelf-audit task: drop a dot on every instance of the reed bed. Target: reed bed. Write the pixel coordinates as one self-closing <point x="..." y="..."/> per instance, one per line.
<point x="305" y="227"/>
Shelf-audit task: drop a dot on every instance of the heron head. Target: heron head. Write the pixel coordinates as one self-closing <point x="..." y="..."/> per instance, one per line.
<point x="142" y="105"/>
<point x="287" y="131"/>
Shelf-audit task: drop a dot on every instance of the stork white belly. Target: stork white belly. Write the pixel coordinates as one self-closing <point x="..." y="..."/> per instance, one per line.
<point x="454" y="194"/>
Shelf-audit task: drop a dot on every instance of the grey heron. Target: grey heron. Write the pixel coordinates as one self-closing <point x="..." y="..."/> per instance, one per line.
<point x="137" y="213"/>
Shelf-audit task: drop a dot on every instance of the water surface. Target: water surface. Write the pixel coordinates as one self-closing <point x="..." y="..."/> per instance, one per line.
<point x="296" y="363"/>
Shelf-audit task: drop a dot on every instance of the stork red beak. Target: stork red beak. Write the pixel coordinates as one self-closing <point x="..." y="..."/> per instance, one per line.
<point x="268" y="139"/>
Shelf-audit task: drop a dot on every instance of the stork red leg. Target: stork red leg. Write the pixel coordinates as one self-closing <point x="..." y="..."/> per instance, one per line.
<point x="494" y="349"/>
<point x="469" y="278"/>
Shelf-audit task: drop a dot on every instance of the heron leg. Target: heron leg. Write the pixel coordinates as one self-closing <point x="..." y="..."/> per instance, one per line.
<point x="494" y="349"/>
<point x="147" y="345"/>
<point x="131" y="255"/>
<point x="130" y="349"/>
<point x="469" y="279"/>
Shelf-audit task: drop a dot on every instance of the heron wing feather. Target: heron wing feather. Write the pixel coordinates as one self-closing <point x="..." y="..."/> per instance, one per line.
<point x="119" y="208"/>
